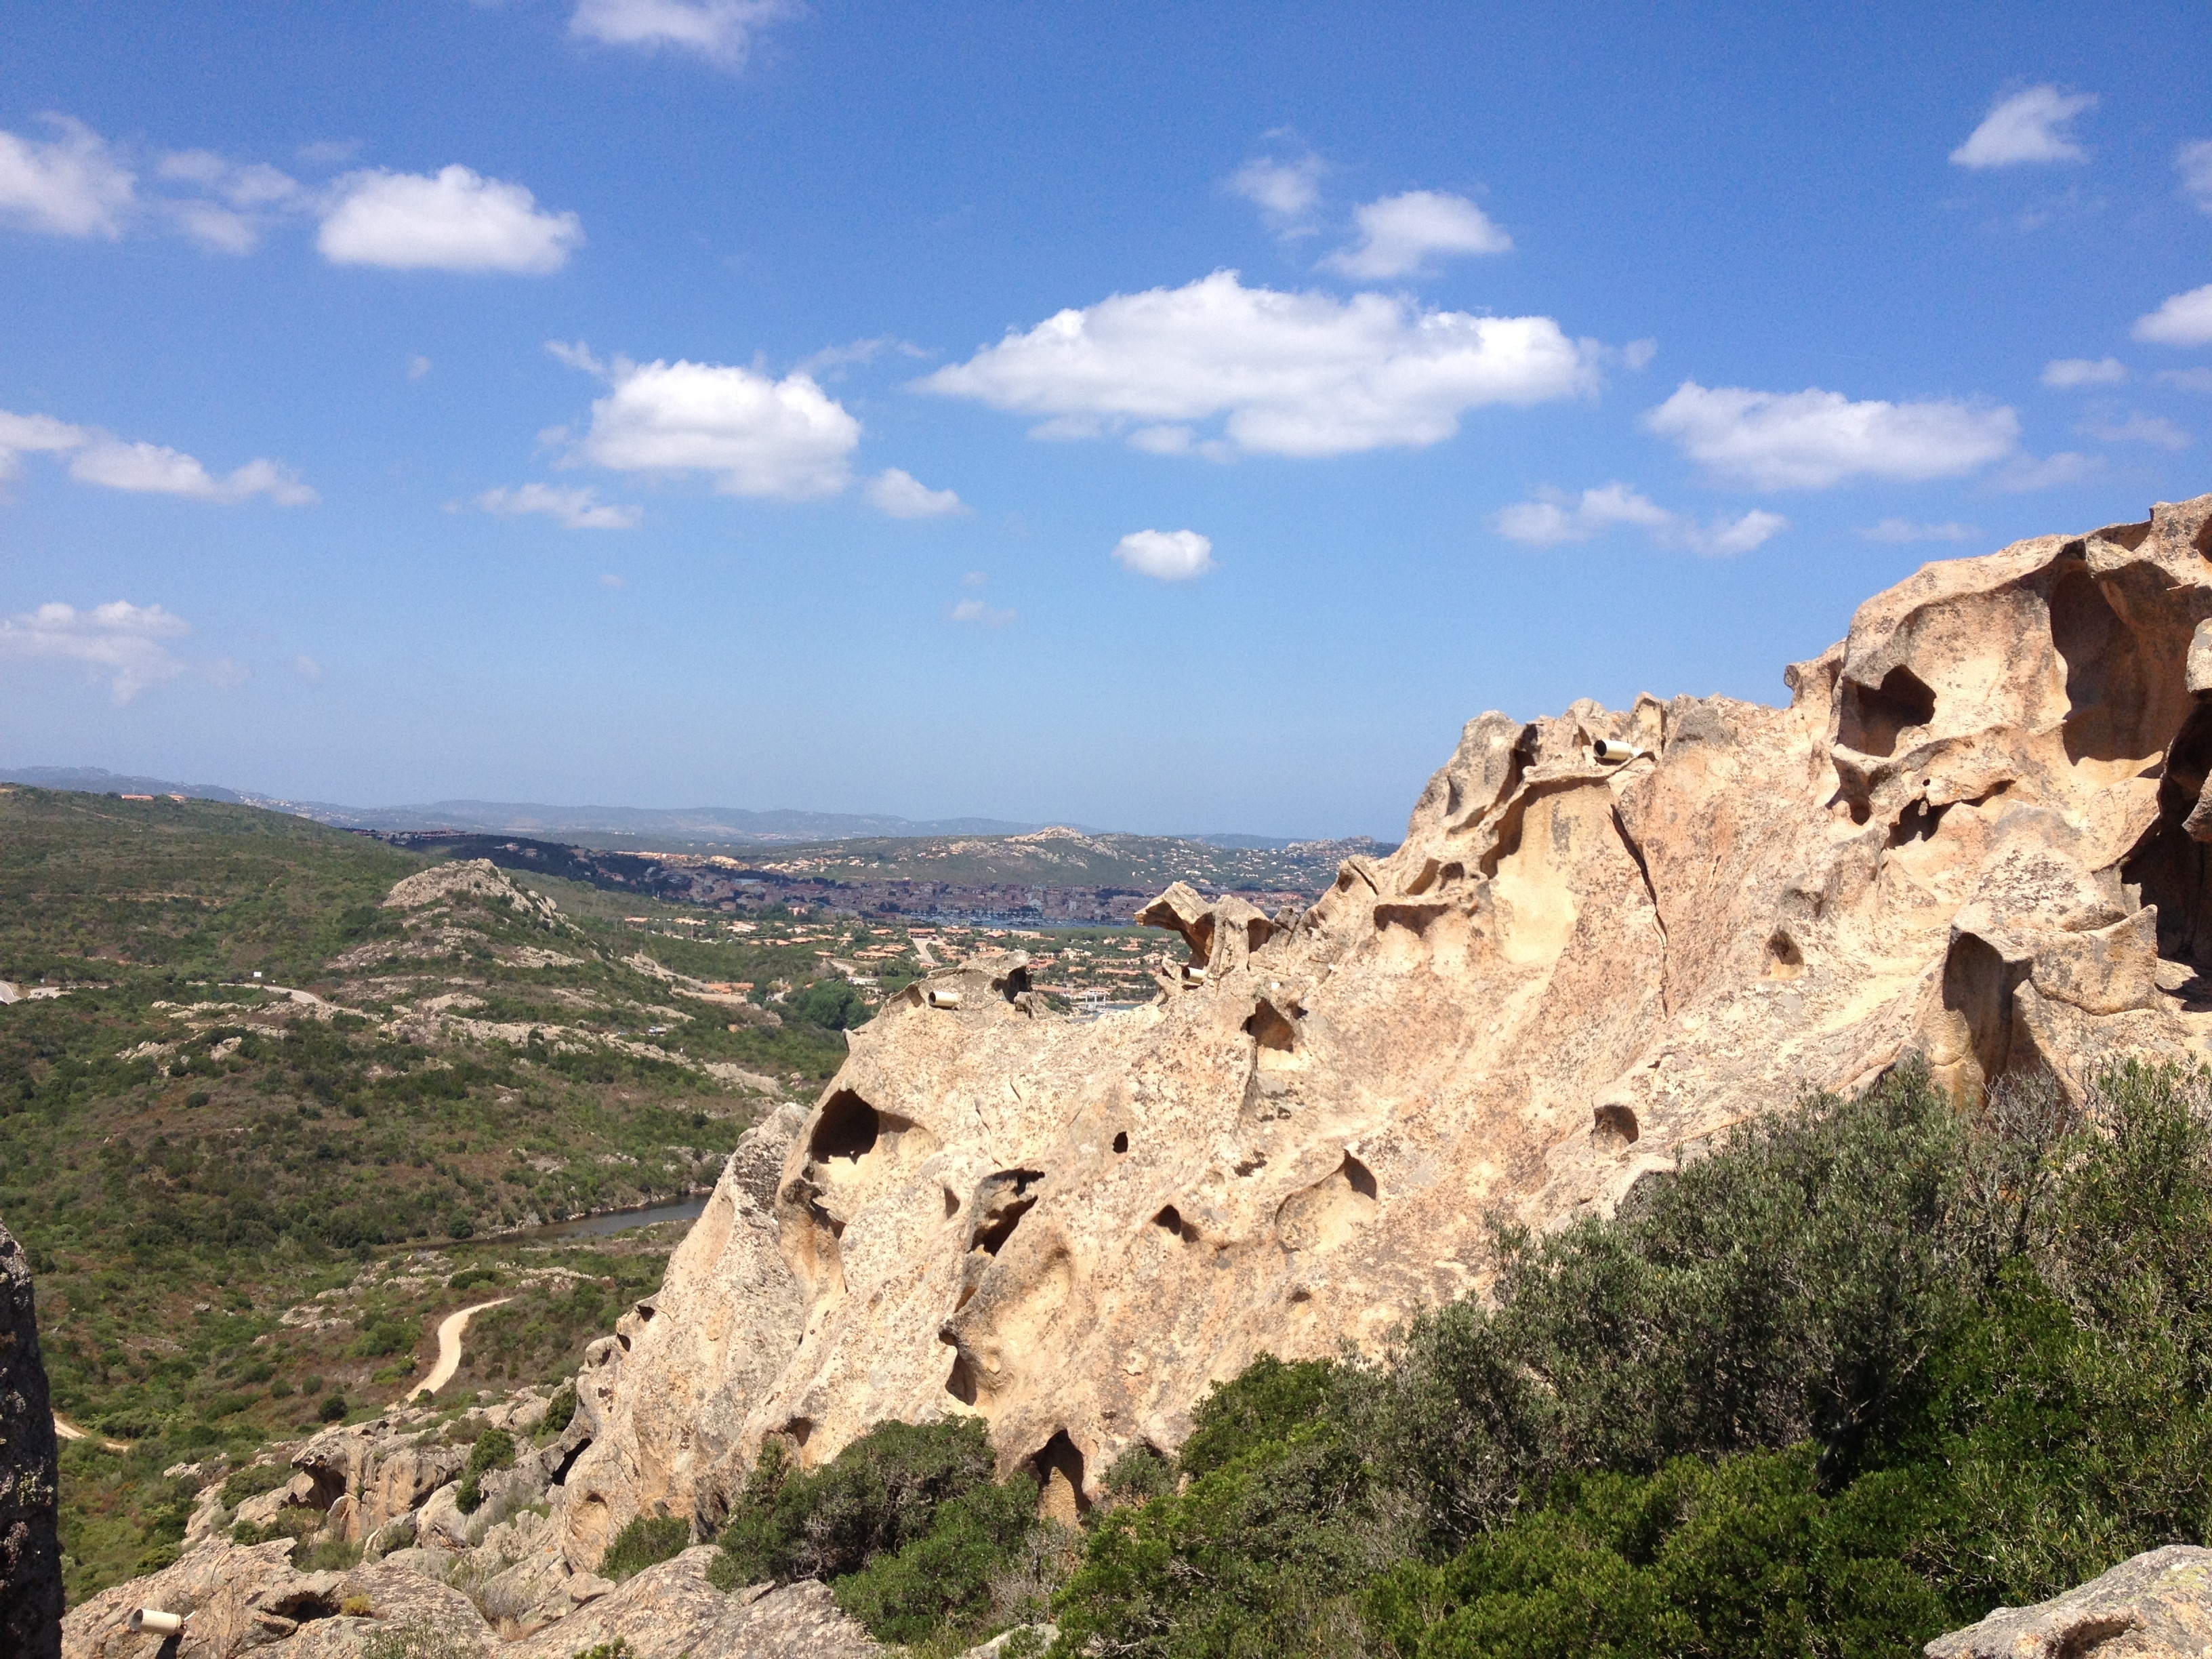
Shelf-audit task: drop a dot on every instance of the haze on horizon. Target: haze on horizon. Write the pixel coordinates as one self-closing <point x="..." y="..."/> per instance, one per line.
<point x="1130" y="416"/>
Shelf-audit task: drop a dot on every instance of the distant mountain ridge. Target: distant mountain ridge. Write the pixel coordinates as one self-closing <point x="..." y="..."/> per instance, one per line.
<point x="628" y="826"/>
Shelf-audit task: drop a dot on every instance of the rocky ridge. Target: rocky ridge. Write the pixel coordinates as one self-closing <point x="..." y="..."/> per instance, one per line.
<point x="1977" y="835"/>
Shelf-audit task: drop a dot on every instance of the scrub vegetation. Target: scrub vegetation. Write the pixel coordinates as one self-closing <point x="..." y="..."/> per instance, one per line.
<point x="247" y="1208"/>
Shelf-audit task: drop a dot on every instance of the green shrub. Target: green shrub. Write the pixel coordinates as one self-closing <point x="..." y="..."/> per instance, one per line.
<point x="334" y="1409"/>
<point x="469" y="1278"/>
<point x="1263" y="1403"/>
<point x="384" y="1336"/>
<point x="253" y="1480"/>
<point x="945" y="1576"/>
<point x="494" y="1450"/>
<point x="645" y="1542"/>
<point x="560" y="1412"/>
<point x="1139" y="1475"/>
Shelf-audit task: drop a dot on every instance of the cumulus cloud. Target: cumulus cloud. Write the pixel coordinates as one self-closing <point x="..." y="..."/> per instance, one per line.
<point x="236" y="199"/>
<point x="898" y="494"/>
<point x="307" y="669"/>
<point x="1284" y="187"/>
<point x="2189" y="380"/>
<point x="1399" y="234"/>
<point x="1814" y="439"/>
<point x="2185" y="319"/>
<point x="71" y="184"/>
<point x="2034" y="125"/>
<point x="1906" y="530"/>
<point x="1301" y="374"/>
<point x="1170" y="555"/>
<point x="2153" y="429"/>
<point x="1554" y="517"/>
<point x="975" y="611"/>
<point x="2064" y="372"/>
<point x="2025" y="472"/>
<point x="720" y="31"/>
<point x="2193" y="161"/>
<point x="786" y="440"/>
<point x="122" y="643"/>
<point x="97" y="457"/>
<point x="576" y="509"/>
<point x="454" y="220"/>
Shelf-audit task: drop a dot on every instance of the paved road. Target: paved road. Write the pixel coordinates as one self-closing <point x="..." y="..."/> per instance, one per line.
<point x="449" y="1347"/>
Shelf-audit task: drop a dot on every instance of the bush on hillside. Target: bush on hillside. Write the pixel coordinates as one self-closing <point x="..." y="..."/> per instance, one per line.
<point x="1869" y="1369"/>
<point x="494" y="1450"/>
<point x="646" y="1541"/>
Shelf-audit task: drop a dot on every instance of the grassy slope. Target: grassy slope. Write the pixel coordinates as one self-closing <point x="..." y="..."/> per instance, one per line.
<point x="194" y="1161"/>
<point x="1145" y="862"/>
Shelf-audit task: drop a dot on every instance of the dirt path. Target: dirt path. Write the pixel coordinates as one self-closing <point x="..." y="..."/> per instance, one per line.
<point x="449" y="1347"/>
<point x="69" y="1430"/>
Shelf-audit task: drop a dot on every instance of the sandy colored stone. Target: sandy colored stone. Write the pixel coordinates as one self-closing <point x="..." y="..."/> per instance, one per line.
<point x="2156" y="1606"/>
<point x="670" y="1610"/>
<point x="1965" y="837"/>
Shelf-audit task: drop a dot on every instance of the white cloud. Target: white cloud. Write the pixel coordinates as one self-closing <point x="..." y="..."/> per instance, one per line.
<point x="784" y="439"/>
<point x="2064" y="372"/>
<point x="2029" y="126"/>
<point x="576" y="509"/>
<point x="417" y="366"/>
<point x="73" y="184"/>
<point x="720" y="31"/>
<point x="1285" y="189"/>
<point x="975" y="611"/>
<point x="236" y="200"/>
<point x="1398" y="234"/>
<point x="2185" y="319"/>
<point x="2154" y="430"/>
<point x="457" y="220"/>
<point x="1554" y="517"/>
<point x="1172" y="556"/>
<point x="2189" y="380"/>
<point x="1638" y="354"/>
<point x="608" y="579"/>
<point x="1906" y="530"/>
<point x="899" y="494"/>
<point x="1302" y="374"/>
<point x="307" y="669"/>
<point x="2193" y="161"/>
<point x="2067" y="467"/>
<point x="100" y="458"/>
<point x="1813" y="439"/>
<point x="121" y="643"/>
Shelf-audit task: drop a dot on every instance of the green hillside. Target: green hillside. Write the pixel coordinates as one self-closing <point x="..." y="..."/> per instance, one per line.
<point x="220" y="1179"/>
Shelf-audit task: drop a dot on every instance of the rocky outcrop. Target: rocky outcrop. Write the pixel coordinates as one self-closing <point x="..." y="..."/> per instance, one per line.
<point x="30" y="1552"/>
<point x="1978" y="832"/>
<point x="2158" y="1606"/>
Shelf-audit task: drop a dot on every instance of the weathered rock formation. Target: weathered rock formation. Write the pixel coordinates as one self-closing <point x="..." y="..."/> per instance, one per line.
<point x="30" y="1550"/>
<point x="2158" y="1606"/>
<point x="1978" y="832"/>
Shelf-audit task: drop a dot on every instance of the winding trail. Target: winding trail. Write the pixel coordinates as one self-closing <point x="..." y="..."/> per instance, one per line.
<point x="449" y="1347"/>
<point x="69" y="1430"/>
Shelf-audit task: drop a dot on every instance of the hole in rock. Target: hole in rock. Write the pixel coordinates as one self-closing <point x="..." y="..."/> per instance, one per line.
<point x="1267" y="1025"/>
<point x="848" y="1129"/>
<point x="1359" y="1176"/>
<point x="1001" y="1202"/>
<point x="1615" y="1122"/>
<point x="2204" y="543"/>
<point x="1121" y="1141"/>
<point x="568" y="1461"/>
<point x="2130" y="536"/>
<point x="951" y="1202"/>
<point x="1978" y="987"/>
<point x="960" y="1383"/>
<point x="1873" y="716"/>
<point x="1917" y="822"/>
<point x="1058" y="1465"/>
<point x="799" y="1430"/>
<point x="301" y="1605"/>
<point x="2169" y="867"/>
<point x="2108" y="692"/>
<point x="1784" y="959"/>
<point x="1171" y="1218"/>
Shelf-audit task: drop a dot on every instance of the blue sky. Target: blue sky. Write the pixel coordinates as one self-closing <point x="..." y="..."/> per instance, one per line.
<point x="1166" y="418"/>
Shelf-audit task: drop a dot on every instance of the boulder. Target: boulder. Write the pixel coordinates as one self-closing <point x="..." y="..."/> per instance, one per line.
<point x="670" y="1610"/>
<point x="30" y="1550"/>
<point x="2157" y="1606"/>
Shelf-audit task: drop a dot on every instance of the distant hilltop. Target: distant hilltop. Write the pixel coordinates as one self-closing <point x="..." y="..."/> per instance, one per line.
<point x="600" y="826"/>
